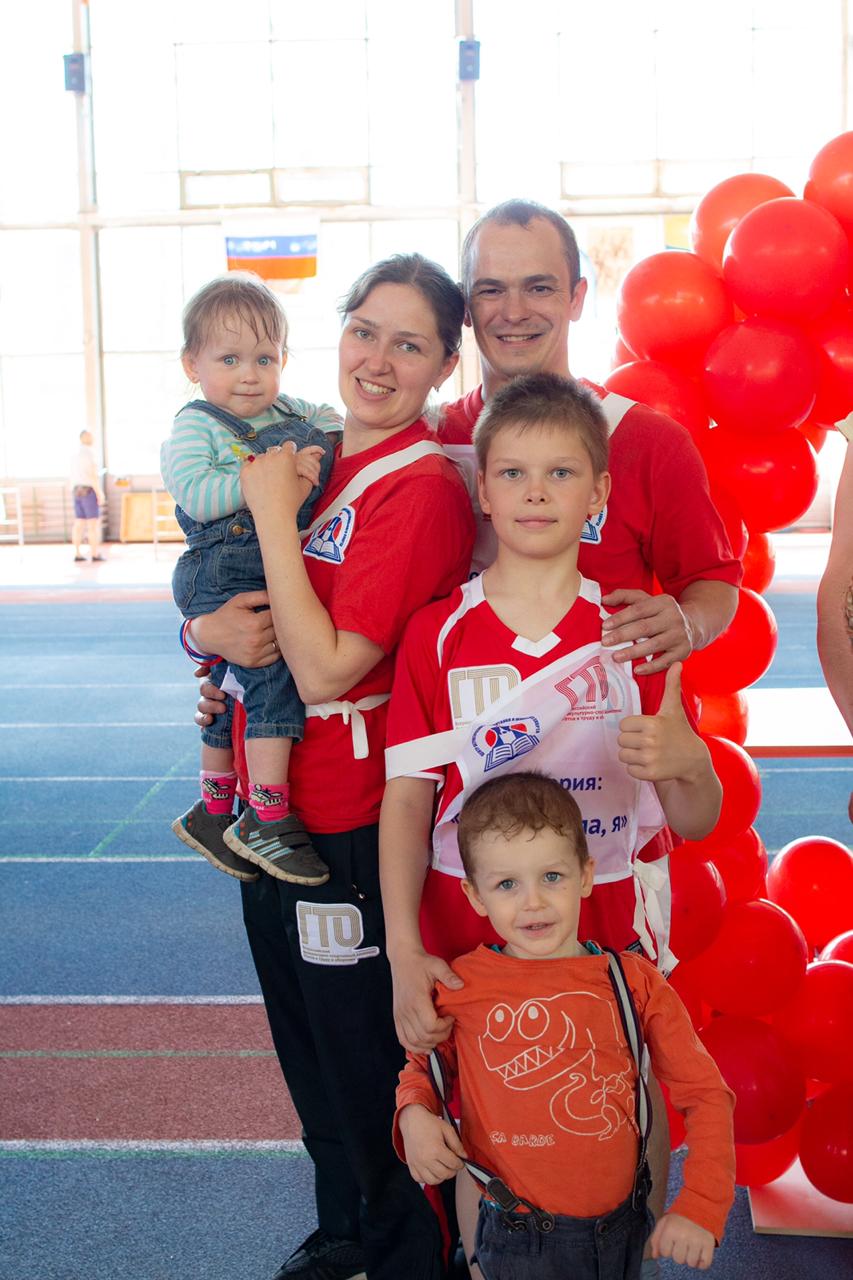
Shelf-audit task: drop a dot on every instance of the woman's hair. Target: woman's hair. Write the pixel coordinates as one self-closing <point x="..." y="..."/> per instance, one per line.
<point x="431" y="281"/>
<point x="238" y="295"/>
<point x="517" y="803"/>
<point x="545" y="400"/>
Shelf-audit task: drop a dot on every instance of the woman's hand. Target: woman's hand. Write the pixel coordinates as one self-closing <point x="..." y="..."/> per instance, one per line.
<point x="211" y="703"/>
<point x="237" y="632"/>
<point x="419" y="1028"/>
<point x="271" y="482"/>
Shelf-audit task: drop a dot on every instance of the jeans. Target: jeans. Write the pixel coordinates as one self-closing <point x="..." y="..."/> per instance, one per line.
<point x="509" y="1246"/>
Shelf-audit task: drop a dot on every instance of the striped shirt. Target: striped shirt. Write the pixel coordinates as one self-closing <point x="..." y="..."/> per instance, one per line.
<point x="201" y="460"/>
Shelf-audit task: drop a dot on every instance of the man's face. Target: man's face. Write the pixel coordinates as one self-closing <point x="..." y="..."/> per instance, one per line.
<point x="521" y="301"/>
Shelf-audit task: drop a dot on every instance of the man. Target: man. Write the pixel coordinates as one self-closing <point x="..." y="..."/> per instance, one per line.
<point x="523" y="288"/>
<point x="88" y="494"/>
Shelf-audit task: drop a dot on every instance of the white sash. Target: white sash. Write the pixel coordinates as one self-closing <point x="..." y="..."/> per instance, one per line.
<point x="369" y="475"/>
<point x="352" y="715"/>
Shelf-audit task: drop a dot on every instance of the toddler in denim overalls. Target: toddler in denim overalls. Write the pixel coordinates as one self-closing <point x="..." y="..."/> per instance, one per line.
<point x="235" y="336"/>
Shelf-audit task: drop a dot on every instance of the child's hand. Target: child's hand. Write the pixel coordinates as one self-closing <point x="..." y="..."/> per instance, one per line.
<point x="434" y="1151"/>
<point x="662" y="747"/>
<point x="683" y="1241"/>
<point x="308" y="463"/>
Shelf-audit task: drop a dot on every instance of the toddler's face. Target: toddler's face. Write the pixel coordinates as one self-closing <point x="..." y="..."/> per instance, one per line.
<point x="236" y="370"/>
<point x="530" y="886"/>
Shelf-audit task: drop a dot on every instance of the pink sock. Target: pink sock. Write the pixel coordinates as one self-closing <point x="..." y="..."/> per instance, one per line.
<point x="271" y="804"/>
<point x="218" y="790"/>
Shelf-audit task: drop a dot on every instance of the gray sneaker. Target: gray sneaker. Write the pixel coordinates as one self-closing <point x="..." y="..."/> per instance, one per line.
<point x="283" y="849"/>
<point x="322" y="1257"/>
<point x="203" y="832"/>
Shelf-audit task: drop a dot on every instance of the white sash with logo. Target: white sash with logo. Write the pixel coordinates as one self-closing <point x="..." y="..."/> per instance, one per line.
<point x="562" y="721"/>
<point x="369" y="475"/>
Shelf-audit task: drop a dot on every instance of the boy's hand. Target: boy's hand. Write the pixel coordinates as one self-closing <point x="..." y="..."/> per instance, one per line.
<point x="656" y="624"/>
<point x="434" y="1150"/>
<point x="664" y="746"/>
<point x="683" y="1241"/>
<point x="419" y="1028"/>
<point x="308" y="463"/>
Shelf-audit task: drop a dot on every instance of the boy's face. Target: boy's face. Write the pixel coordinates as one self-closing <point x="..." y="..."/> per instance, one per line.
<point x="539" y="489"/>
<point x="237" y="370"/>
<point x="530" y="886"/>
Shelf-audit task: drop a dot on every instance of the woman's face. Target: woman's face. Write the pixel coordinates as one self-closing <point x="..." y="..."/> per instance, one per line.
<point x="390" y="355"/>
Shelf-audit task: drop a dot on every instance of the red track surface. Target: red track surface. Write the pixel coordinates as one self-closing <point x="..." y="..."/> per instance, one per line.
<point x="141" y="1073"/>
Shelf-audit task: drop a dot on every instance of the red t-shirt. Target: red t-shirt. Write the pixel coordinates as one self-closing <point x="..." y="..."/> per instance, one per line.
<point x="404" y="541"/>
<point x="659" y="521"/>
<point x="456" y="658"/>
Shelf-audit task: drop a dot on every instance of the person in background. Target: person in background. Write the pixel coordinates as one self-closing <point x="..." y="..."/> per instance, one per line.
<point x="88" y="495"/>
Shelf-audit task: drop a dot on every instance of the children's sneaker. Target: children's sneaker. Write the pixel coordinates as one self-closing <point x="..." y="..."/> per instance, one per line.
<point x="282" y="848"/>
<point x="203" y="832"/>
<point x="322" y="1256"/>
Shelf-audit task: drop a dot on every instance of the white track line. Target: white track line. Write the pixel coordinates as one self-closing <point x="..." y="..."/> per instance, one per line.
<point x="207" y="1146"/>
<point x="104" y="1000"/>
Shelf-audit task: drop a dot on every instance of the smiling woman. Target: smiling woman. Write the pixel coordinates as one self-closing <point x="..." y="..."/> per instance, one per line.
<point x="394" y="530"/>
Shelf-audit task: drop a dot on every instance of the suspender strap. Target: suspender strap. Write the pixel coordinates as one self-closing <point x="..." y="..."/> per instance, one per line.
<point x="494" y="1186"/>
<point x="236" y="425"/>
<point x="634" y="1035"/>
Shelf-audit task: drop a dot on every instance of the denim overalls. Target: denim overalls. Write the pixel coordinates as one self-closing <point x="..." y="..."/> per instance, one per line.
<point x="223" y="558"/>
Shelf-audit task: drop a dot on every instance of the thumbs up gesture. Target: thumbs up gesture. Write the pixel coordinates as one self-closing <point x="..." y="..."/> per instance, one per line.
<point x="662" y="747"/>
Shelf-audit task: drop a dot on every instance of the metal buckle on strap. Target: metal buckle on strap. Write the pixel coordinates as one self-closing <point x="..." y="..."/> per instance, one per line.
<point x="502" y="1195"/>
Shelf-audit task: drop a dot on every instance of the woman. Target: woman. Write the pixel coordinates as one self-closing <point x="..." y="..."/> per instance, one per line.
<point x="393" y="531"/>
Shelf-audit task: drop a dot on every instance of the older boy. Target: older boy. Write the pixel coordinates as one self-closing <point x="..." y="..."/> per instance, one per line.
<point x="546" y="1075"/>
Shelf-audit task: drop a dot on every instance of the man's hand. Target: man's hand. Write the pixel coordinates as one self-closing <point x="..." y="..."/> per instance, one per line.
<point x="419" y="1028"/>
<point x="663" y="746"/>
<point x="655" y="624"/>
<point x="683" y="1241"/>
<point x="434" y="1150"/>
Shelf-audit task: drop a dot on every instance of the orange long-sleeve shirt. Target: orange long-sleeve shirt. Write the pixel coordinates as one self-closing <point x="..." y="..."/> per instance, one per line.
<point x="547" y="1083"/>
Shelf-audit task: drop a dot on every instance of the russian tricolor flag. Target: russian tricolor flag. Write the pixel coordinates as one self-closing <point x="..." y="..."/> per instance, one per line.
<point x="273" y="256"/>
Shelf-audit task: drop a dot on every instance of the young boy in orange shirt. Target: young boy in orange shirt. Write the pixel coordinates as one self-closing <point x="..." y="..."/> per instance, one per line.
<point x="552" y="1102"/>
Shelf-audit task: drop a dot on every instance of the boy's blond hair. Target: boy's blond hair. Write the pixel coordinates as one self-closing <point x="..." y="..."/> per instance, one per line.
<point x="545" y="400"/>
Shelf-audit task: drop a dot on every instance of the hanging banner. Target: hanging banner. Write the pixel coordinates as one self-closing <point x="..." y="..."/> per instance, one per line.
<point x="271" y="252"/>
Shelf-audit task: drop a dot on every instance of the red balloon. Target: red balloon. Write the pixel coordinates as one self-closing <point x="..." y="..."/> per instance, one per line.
<point x="812" y="878"/>
<point x="741" y="786"/>
<point x="832" y="336"/>
<point x="756" y="960"/>
<point x="759" y="563"/>
<point x="662" y="388"/>
<point x="773" y="478"/>
<point x="730" y="513"/>
<point x="721" y="209"/>
<point x="741" y="654"/>
<point x="742" y="862"/>
<point x="814" y="433"/>
<point x="830" y="181"/>
<point x="622" y="353"/>
<point x="840" y="948"/>
<point x="724" y="715"/>
<point x="670" y="306"/>
<point x="769" y="1091"/>
<point x="698" y="899"/>
<point x="817" y="1022"/>
<point x="757" y="1163"/>
<point x="787" y="258"/>
<point x="760" y="376"/>
<point x="826" y="1143"/>
<point x="683" y="984"/>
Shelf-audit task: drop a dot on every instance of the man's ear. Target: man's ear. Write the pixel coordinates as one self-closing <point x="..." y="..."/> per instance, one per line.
<point x="470" y="891"/>
<point x="189" y="367"/>
<point x="578" y="299"/>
